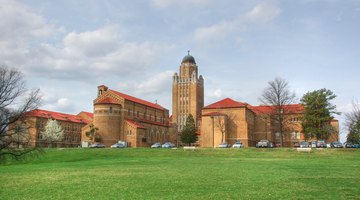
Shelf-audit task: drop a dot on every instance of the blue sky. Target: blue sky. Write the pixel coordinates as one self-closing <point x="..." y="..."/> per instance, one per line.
<point x="67" y="48"/>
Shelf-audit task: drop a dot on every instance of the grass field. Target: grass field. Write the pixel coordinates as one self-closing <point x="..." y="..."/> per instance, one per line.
<point x="178" y="174"/>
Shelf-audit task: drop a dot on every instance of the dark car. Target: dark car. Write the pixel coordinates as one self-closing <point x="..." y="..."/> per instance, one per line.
<point x="356" y="146"/>
<point x="97" y="145"/>
<point x="336" y="144"/>
<point x="296" y="145"/>
<point x="349" y="145"/>
<point x="304" y="144"/>
<point x="321" y="144"/>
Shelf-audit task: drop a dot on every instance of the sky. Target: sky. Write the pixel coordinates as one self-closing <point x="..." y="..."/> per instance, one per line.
<point x="67" y="48"/>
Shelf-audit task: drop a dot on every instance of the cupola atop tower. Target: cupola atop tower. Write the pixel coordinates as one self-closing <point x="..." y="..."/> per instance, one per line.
<point x="188" y="58"/>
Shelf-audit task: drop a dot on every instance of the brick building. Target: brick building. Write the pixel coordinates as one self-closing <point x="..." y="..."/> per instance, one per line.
<point x="229" y="121"/>
<point x="119" y="116"/>
<point x="37" y="119"/>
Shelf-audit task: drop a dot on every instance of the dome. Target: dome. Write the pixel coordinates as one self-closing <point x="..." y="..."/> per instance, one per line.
<point x="188" y="58"/>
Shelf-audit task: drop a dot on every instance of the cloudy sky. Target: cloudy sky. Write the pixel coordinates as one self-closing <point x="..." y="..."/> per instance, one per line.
<point x="67" y="48"/>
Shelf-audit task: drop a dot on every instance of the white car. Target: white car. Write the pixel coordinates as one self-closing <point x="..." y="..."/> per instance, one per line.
<point x="118" y="145"/>
<point x="237" y="145"/>
<point x="224" y="145"/>
<point x="156" y="145"/>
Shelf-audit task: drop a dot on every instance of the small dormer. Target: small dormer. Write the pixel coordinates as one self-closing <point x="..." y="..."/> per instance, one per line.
<point x="102" y="89"/>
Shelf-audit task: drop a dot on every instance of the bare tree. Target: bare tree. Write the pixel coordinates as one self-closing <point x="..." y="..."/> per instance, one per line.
<point x="352" y="124"/>
<point x="277" y="95"/>
<point x="223" y="122"/>
<point x="15" y="101"/>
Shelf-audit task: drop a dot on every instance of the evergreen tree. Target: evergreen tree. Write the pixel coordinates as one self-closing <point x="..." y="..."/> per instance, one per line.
<point x="53" y="132"/>
<point x="318" y="114"/>
<point x="188" y="134"/>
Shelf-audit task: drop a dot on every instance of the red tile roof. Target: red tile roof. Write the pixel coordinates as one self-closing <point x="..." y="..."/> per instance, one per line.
<point x="56" y="115"/>
<point x="155" y="123"/>
<point x="137" y="100"/>
<point x="107" y="100"/>
<point x="89" y="114"/>
<point x="134" y="123"/>
<point x="288" y="109"/>
<point x="226" y="103"/>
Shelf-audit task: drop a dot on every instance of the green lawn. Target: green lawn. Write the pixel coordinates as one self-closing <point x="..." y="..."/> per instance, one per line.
<point x="179" y="174"/>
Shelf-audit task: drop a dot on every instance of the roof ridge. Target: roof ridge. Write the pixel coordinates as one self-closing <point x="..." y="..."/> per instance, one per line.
<point x="137" y="100"/>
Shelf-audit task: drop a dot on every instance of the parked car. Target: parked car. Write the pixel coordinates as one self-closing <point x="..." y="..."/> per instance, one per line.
<point x="263" y="144"/>
<point x="356" y="146"/>
<point x="271" y="145"/>
<point x="348" y="145"/>
<point x="336" y="144"/>
<point x="118" y="145"/>
<point x="296" y="144"/>
<point x="97" y="145"/>
<point x="168" y="145"/>
<point x="156" y="145"/>
<point x="313" y="144"/>
<point x="304" y="144"/>
<point x="224" y="145"/>
<point x="237" y="145"/>
<point x="321" y="144"/>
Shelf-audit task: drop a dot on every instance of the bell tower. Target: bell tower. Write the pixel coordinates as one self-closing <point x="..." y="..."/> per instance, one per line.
<point x="187" y="93"/>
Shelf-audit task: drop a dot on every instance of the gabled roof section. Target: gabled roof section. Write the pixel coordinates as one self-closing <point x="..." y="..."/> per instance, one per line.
<point x="88" y="114"/>
<point x="107" y="100"/>
<point x="135" y="124"/>
<point x="288" y="109"/>
<point x="56" y="115"/>
<point x="226" y="103"/>
<point x="137" y="100"/>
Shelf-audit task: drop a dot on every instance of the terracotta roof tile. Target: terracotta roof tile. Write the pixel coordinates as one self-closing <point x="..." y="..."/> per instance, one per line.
<point x="226" y="103"/>
<point x="56" y="115"/>
<point x="136" y="124"/>
<point x="155" y="123"/>
<point x="89" y="114"/>
<point x="107" y="100"/>
<point x="288" y="109"/>
<point x="137" y="100"/>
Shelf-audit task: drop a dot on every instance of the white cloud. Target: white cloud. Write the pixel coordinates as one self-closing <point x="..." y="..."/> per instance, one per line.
<point x="217" y="93"/>
<point x="20" y="28"/>
<point x="217" y="31"/>
<point x="158" y="83"/>
<point x="93" y="43"/>
<point x="261" y="13"/>
<point x="162" y="4"/>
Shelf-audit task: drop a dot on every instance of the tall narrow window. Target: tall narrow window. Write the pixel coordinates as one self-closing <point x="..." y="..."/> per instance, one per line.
<point x="110" y="110"/>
